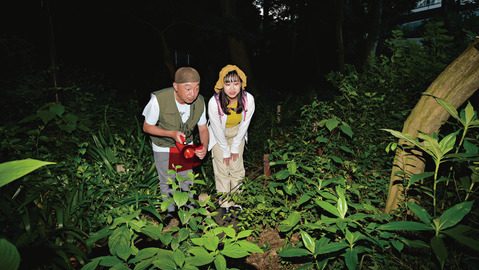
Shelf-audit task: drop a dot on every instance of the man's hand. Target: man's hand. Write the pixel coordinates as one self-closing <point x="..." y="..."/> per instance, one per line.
<point x="179" y="137"/>
<point x="234" y="156"/>
<point x="201" y="151"/>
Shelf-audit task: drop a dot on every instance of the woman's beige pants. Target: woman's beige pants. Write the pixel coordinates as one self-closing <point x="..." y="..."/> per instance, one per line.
<point x="228" y="178"/>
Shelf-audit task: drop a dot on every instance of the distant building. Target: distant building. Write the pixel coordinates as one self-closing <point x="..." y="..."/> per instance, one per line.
<point x="428" y="9"/>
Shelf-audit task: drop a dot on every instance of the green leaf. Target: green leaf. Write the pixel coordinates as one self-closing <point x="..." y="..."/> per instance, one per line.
<point x="405" y="226"/>
<point x="89" y="266"/>
<point x="292" y="167"/>
<point x="244" y="234"/>
<point x="211" y="242"/>
<point x="12" y="170"/>
<point x="152" y="231"/>
<point x="234" y="251"/>
<point x="417" y="177"/>
<point x="249" y="247"/>
<point x="332" y="123"/>
<point x="201" y="256"/>
<point x="469" y="113"/>
<point x="109" y="261"/>
<point x="458" y="233"/>
<point x="294" y="252"/>
<point x="398" y="245"/>
<point x="439" y="249"/>
<point x="331" y="247"/>
<point x="404" y="136"/>
<point x="290" y="222"/>
<point x="421" y="213"/>
<point x="346" y="129"/>
<point x="220" y="262"/>
<point x="179" y="257"/>
<point x="328" y="207"/>
<point x="453" y="215"/>
<point x="449" y="108"/>
<point x="281" y="175"/>
<point x="308" y="241"/>
<point x="351" y="258"/>
<point x="119" y="242"/>
<point x="9" y="255"/>
<point x="57" y="109"/>
<point x="341" y="205"/>
<point x="180" y="198"/>
<point x="447" y="143"/>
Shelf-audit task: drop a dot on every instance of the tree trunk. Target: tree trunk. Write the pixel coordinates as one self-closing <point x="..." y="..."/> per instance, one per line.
<point x="455" y="85"/>
<point x="373" y="30"/>
<point x="238" y="52"/>
<point x="339" y="34"/>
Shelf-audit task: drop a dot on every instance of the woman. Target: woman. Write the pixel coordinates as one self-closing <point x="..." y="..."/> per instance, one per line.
<point x="229" y="111"/>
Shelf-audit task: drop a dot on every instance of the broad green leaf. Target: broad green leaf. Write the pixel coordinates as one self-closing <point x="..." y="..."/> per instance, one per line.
<point x="398" y="245"/>
<point x="244" y="234"/>
<point x="220" y="262"/>
<point x="201" y="257"/>
<point x="9" y="255"/>
<point x="449" y="108"/>
<point x="448" y="142"/>
<point x="146" y="253"/>
<point x="234" y="251"/>
<point x="342" y="205"/>
<point x="308" y="241"/>
<point x="421" y="213"/>
<point x="328" y="207"/>
<point x="211" y="242"/>
<point x="281" y="175"/>
<point x="119" y="242"/>
<point x="405" y="137"/>
<point x="179" y="257"/>
<point x="12" y="170"/>
<point x="439" y="249"/>
<point x="290" y="222"/>
<point x="294" y="252"/>
<point x="351" y="258"/>
<point x="431" y="146"/>
<point x="346" y="129"/>
<point x="332" y="123"/>
<point x="180" y="198"/>
<point x="459" y="233"/>
<point x="454" y="215"/>
<point x="57" y="109"/>
<point x="109" y="261"/>
<point x="331" y="247"/>
<point x="304" y="198"/>
<point x="405" y="226"/>
<point x="152" y="231"/>
<point x="417" y="177"/>
<point x="292" y="167"/>
<point x="469" y="113"/>
<point x="165" y="263"/>
<point x="183" y="234"/>
<point x="89" y="266"/>
<point x="249" y="246"/>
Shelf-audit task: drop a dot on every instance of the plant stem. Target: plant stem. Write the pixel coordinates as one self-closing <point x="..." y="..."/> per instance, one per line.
<point x="438" y="163"/>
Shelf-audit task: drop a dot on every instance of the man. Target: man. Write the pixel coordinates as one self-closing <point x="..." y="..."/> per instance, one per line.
<point x="171" y="116"/>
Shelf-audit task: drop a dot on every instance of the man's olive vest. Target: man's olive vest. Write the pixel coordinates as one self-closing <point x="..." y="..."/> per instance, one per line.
<point x="170" y="118"/>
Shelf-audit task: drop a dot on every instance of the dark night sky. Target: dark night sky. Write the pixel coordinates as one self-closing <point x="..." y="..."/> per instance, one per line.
<point x="95" y="36"/>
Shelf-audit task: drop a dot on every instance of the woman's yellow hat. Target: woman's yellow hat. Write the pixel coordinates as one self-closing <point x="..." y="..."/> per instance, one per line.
<point x="224" y="71"/>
